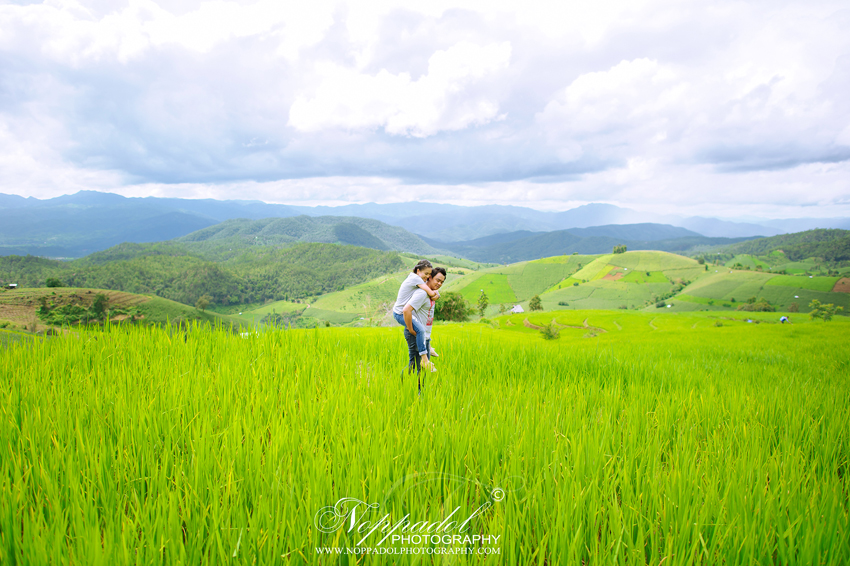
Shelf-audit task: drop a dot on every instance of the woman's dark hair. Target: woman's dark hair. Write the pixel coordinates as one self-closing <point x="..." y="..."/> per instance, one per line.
<point x="437" y="270"/>
<point x="423" y="263"/>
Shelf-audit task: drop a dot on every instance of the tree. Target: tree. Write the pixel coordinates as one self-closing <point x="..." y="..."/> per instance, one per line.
<point x="451" y="306"/>
<point x="53" y="282"/>
<point x="483" y="302"/>
<point x="100" y="305"/>
<point x="621" y="249"/>
<point x="794" y="307"/>
<point x="535" y="304"/>
<point x="823" y="311"/>
<point x="203" y="302"/>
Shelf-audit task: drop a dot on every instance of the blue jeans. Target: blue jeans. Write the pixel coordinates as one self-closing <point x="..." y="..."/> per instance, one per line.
<point x="420" y="332"/>
<point x="414" y="361"/>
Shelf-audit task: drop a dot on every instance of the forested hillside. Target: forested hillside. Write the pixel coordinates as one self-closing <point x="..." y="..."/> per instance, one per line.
<point x="831" y="245"/>
<point x="171" y="272"/>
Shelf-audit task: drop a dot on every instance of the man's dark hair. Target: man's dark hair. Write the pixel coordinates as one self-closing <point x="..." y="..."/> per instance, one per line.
<point x="437" y="270"/>
<point x="423" y="263"/>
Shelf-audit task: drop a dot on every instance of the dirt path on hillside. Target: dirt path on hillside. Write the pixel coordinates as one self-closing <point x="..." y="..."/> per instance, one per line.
<point x="842" y="285"/>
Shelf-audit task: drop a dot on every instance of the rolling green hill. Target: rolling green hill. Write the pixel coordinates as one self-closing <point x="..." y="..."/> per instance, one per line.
<point x="364" y="232"/>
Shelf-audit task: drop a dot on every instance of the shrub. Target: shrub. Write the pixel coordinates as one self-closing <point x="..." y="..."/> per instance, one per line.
<point x="452" y="306"/>
<point x="563" y="303"/>
<point x="53" y="282"/>
<point x="660" y="304"/>
<point x="718" y="323"/>
<point x="794" y="307"/>
<point x="760" y="306"/>
<point x="550" y="332"/>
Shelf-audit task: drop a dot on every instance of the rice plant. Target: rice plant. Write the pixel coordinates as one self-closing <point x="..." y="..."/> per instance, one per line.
<point x="688" y="444"/>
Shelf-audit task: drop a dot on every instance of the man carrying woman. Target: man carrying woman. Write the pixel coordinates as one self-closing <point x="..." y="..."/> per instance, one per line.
<point x="420" y="308"/>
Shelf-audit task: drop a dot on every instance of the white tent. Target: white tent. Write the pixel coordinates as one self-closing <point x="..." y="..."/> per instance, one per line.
<point x="517" y="308"/>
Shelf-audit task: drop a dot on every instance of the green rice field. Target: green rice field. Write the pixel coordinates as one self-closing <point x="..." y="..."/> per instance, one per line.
<point x="823" y="284"/>
<point x="634" y="438"/>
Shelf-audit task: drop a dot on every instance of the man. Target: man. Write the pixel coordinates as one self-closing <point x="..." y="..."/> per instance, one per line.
<point x="421" y="306"/>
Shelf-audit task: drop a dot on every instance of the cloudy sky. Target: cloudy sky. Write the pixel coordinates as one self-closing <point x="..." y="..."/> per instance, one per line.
<point x="718" y="108"/>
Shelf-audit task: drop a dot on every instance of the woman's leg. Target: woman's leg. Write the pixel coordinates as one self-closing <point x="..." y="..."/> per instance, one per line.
<point x="420" y="340"/>
<point x="399" y="318"/>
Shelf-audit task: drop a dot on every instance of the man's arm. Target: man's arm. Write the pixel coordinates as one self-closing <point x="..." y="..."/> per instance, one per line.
<point x="408" y="318"/>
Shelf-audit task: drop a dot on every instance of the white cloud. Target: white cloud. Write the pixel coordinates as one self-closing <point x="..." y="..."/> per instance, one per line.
<point x="664" y="103"/>
<point x="351" y="100"/>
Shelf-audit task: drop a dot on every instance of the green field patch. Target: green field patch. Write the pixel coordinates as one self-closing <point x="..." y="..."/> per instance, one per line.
<point x="568" y="282"/>
<point x="276" y="306"/>
<point x="747" y="260"/>
<point x="824" y="284"/>
<point x="366" y="296"/>
<point x="651" y="261"/>
<point x="739" y="285"/>
<point x="720" y="303"/>
<point x="539" y="276"/>
<point x="592" y="269"/>
<point x="333" y="317"/>
<point x="606" y="269"/>
<point x="799" y="267"/>
<point x="635" y="276"/>
<point x="495" y="285"/>
<point x="782" y="297"/>
<point x="570" y="259"/>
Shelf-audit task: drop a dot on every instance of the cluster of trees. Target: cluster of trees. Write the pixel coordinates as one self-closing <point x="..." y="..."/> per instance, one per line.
<point x="75" y="311"/>
<point x="621" y="249"/>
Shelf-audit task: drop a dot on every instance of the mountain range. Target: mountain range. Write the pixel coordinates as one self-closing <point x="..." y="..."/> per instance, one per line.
<point x="88" y="221"/>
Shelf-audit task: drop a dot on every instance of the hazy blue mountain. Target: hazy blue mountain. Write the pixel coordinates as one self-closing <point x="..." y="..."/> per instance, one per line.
<point x="646" y="232"/>
<point x="88" y="221"/>
<point x="75" y="231"/>
<point x="715" y="228"/>
<point x="78" y="224"/>
<point x="788" y="225"/>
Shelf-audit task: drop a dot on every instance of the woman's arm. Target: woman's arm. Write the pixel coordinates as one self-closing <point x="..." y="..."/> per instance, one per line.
<point x="431" y="293"/>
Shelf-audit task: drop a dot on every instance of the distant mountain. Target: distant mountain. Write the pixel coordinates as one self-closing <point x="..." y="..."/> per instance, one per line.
<point x="643" y="232"/>
<point x="79" y="224"/>
<point x="447" y="222"/>
<point x="523" y="246"/>
<point x="363" y="232"/>
<point x="88" y="221"/>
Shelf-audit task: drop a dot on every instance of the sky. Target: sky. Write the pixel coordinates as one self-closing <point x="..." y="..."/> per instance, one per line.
<point x="709" y="107"/>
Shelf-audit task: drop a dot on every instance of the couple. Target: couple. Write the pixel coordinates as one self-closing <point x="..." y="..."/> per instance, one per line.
<point x="414" y="309"/>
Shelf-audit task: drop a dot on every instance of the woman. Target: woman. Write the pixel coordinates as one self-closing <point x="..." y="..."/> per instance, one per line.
<point x="420" y="308"/>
